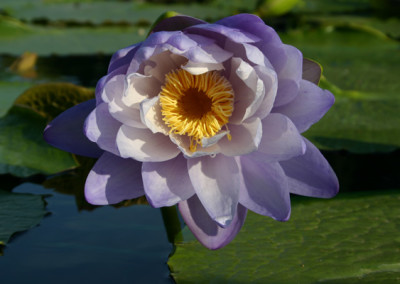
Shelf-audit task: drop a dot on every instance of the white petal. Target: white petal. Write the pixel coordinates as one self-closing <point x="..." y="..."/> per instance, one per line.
<point x="140" y="87"/>
<point x="245" y="138"/>
<point x="196" y="68"/>
<point x="248" y="89"/>
<point x="162" y="63"/>
<point x="145" y="146"/>
<point x="150" y="113"/>
<point x="183" y="143"/>
<point x="216" y="182"/>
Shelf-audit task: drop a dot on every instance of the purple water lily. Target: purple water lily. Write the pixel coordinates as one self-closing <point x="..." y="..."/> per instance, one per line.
<point x="206" y="116"/>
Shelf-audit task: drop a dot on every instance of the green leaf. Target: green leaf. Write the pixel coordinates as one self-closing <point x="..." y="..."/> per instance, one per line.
<point x="350" y="238"/>
<point x="51" y="99"/>
<point x="359" y="122"/>
<point x="363" y="74"/>
<point x="19" y="212"/>
<point x="352" y="59"/>
<point x="62" y="41"/>
<point x="23" y="151"/>
<point x="9" y="91"/>
<point x="122" y="12"/>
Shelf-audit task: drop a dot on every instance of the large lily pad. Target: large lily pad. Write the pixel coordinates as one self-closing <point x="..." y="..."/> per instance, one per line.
<point x="348" y="239"/>
<point x="23" y="151"/>
<point x="9" y="91"/>
<point x="117" y="11"/>
<point x="360" y="122"/>
<point x="362" y="70"/>
<point x="352" y="59"/>
<point x="17" y="38"/>
<point x="19" y="212"/>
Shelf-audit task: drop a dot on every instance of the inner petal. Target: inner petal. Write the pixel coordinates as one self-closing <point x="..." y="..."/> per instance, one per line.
<point x="196" y="105"/>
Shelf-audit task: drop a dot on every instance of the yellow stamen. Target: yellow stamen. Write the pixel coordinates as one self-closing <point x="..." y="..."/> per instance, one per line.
<point x="196" y="105"/>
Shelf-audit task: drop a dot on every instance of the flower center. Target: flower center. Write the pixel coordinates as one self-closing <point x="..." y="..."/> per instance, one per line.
<point x="196" y="105"/>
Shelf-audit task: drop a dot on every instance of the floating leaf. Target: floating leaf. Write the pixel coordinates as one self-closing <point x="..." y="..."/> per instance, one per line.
<point x="363" y="74"/>
<point x="23" y="152"/>
<point x="352" y="59"/>
<point x="359" y="122"/>
<point x="17" y="38"/>
<point x="116" y="11"/>
<point x="19" y="212"/>
<point x="348" y="239"/>
<point x="51" y="99"/>
<point x="9" y="91"/>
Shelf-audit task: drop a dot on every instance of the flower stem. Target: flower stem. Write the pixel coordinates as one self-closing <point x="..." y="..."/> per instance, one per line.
<point x="172" y="223"/>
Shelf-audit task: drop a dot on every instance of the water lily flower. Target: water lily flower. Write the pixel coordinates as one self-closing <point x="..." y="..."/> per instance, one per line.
<point x="206" y="116"/>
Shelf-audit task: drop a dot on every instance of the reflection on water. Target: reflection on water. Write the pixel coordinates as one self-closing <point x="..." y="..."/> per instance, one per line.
<point x="125" y="245"/>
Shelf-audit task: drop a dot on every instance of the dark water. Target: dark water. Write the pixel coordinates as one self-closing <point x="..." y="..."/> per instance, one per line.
<point x="106" y="245"/>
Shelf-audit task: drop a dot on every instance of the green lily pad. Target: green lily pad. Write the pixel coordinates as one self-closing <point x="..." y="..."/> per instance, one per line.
<point x="352" y="59"/>
<point x="9" y="91"/>
<point x="133" y="13"/>
<point x="363" y="74"/>
<point x="20" y="38"/>
<point x="359" y="122"/>
<point x="350" y="238"/>
<point x="23" y="152"/>
<point x="19" y="212"/>
<point x="51" y="99"/>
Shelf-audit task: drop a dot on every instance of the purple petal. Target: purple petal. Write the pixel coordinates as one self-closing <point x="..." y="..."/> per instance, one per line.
<point x="176" y="23"/>
<point x="220" y="33"/>
<point x="123" y="57"/>
<point x="102" y="128"/>
<point x="113" y="180"/>
<point x="167" y="183"/>
<point x="205" y="229"/>
<point x="265" y="187"/>
<point x="251" y="24"/>
<point x="66" y="131"/>
<point x="216" y="182"/>
<point x="143" y="145"/>
<point x="308" y="107"/>
<point x="310" y="174"/>
<point x="280" y="140"/>
<point x="289" y="75"/>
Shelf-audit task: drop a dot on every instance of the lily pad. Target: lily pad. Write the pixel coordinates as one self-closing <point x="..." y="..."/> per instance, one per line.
<point x="352" y="59"/>
<point x="51" y="99"/>
<point x="360" y="122"/>
<point x="363" y="74"/>
<point x="128" y="12"/>
<point x="17" y="38"/>
<point x="348" y="239"/>
<point x="22" y="148"/>
<point x="19" y="212"/>
<point x="9" y="91"/>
